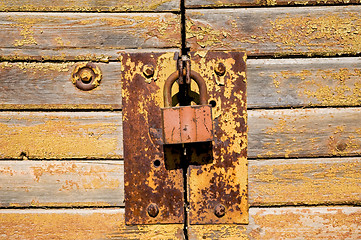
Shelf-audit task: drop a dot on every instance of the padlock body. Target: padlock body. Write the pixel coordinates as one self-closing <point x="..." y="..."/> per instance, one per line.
<point x="187" y="124"/>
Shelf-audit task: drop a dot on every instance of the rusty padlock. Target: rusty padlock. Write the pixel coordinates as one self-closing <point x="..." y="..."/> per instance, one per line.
<point x="186" y="124"/>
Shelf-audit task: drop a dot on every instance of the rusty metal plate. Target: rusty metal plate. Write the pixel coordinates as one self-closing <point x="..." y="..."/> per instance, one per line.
<point x="187" y="124"/>
<point x="218" y="189"/>
<point x="153" y="187"/>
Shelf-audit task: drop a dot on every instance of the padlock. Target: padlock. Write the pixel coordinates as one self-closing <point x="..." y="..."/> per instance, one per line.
<point x="186" y="124"/>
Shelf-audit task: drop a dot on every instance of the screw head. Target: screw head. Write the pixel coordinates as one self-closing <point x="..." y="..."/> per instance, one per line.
<point x="148" y="71"/>
<point x="220" y="210"/>
<point x="220" y="69"/>
<point x="86" y="75"/>
<point x="152" y="210"/>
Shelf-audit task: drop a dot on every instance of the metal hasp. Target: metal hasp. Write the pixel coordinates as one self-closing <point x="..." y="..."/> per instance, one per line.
<point x="216" y="184"/>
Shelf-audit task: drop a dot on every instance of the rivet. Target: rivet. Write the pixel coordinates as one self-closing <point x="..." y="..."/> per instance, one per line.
<point x="220" y="69"/>
<point x="86" y="76"/>
<point x="148" y="71"/>
<point x="152" y="210"/>
<point x="220" y="210"/>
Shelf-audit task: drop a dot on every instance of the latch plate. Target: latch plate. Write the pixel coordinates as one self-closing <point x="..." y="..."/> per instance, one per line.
<point x="217" y="179"/>
<point x="152" y="187"/>
<point x="218" y="190"/>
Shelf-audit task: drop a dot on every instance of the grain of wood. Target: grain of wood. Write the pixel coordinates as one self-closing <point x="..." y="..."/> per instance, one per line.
<point x="69" y="224"/>
<point x="288" y="223"/>
<point x="282" y="31"/>
<point x="61" y="183"/>
<point x="305" y="181"/>
<point x="271" y="83"/>
<point x="265" y="223"/>
<point x="303" y="82"/>
<point x="58" y="135"/>
<point x="281" y="182"/>
<point x="283" y="133"/>
<point x="304" y="132"/>
<point x="84" y="36"/>
<point x="246" y="3"/>
<point x="49" y="86"/>
<point x="87" y="5"/>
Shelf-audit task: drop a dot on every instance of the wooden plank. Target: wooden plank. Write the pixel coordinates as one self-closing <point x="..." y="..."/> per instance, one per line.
<point x="271" y="83"/>
<point x="49" y="86"/>
<point x="84" y="36"/>
<point x="69" y="224"/>
<point x="305" y="181"/>
<point x="87" y="5"/>
<point x="303" y="82"/>
<point x="58" y="135"/>
<point x="304" y="132"/>
<point x="288" y="223"/>
<point x="283" y="133"/>
<point x="247" y="3"/>
<point x="100" y="183"/>
<point x="265" y="223"/>
<point x="61" y="183"/>
<point x="282" y="31"/>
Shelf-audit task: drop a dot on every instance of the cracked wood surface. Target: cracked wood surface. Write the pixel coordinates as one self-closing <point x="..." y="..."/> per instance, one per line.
<point x="281" y="31"/>
<point x="286" y="133"/>
<point x="280" y="182"/>
<point x="263" y="3"/>
<point x="270" y="223"/>
<point x="271" y="83"/>
<point x="89" y="6"/>
<point x="84" y="36"/>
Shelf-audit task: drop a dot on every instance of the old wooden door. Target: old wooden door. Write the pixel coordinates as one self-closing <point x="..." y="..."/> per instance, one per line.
<point x="61" y="170"/>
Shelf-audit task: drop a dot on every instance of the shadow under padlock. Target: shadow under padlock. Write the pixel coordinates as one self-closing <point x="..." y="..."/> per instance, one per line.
<point x="187" y="130"/>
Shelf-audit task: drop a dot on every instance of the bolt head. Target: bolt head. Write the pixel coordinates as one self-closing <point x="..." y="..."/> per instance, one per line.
<point x="220" y="69"/>
<point x="153" y="210"/>
<point x="86" y="75"/>
<point x="220" y="210"/>
<point x="148" y="71"/>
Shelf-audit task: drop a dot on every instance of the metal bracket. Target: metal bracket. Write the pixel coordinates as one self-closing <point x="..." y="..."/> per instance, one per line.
<point x="217" y="174"/>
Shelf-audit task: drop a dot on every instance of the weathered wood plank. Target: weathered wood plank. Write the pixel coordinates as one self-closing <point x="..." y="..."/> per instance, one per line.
<point x="271" y="83"/>
<point x="305" y="181"/>
<point x="289" y="223"/>
<point x="61" y="183"/>
<point x="79" y="224"/>
<point x="57" y="135"/>
<point x="272" y="133"/>
<point x="87" y="5"/>
<point x="265" y="223"/>
<point x="246" y="3"/>
<point x="332" y="30"/>
<point x="84" y="36"/>
<point x="304" y="132"/>
<point x="49" y="86"/>
<point x="303" y="82"/>
<point x="100" y="183"/>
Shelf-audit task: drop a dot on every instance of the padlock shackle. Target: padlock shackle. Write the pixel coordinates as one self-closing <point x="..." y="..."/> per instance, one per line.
<point x="167" y="91"/>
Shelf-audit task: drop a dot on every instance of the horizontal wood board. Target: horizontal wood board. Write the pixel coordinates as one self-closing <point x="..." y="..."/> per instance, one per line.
<point x="281" y="31"/>
<point x="297" y="133"/>
<point x="271" y="83"/>
<point x="265" y="223"/>
<point x="84" y="36"/>
<point x="100" y="183"/>
<point x="246" y="3"/>
<point x="49" y="86"/>
<point x="58" y="135"/>
<point x="88" y="5"/>
<point x="283" y="133"/>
